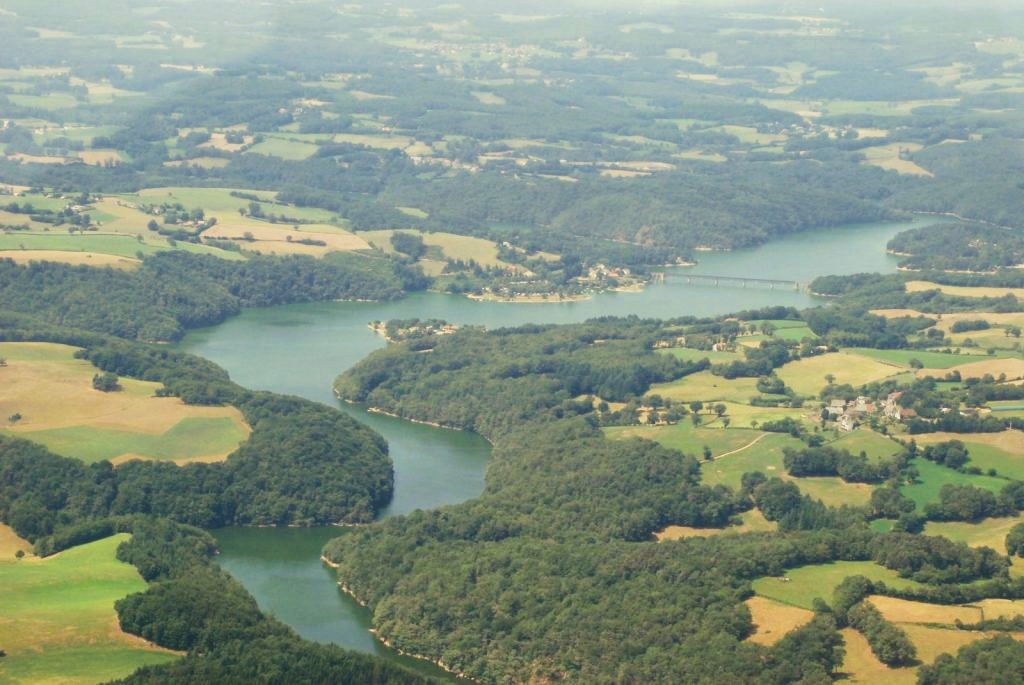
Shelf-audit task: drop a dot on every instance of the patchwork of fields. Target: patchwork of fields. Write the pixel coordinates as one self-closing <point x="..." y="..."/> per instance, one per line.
<point x="51" y="393"/>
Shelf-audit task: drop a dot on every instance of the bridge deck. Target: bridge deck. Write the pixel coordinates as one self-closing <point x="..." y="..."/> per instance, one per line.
<point x="740" y="280"/>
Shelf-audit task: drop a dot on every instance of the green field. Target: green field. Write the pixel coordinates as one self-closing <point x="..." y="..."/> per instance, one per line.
<point x="58" y="623"/>
<point x="706" y="387"/>
<point x="932" y="477"/>
<point x="219" y="202"/>
<point x="931" y="360"/>
<point x="285" y="148"/>
<point x="191" y="438"/>
<point x="876" y="445"/>
<point x="691" y="355"/>
<point x="988" y="533"/>
<point x="118" y="245"/>
<point x="805" y="583"/>
<point x="689" y="439"/>
<point x="807" y="376"/>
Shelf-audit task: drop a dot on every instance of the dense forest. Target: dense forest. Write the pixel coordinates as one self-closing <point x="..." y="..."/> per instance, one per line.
<point x="172" y="292"/>
<point x="959" y="247"/>
<point x="304" y="463"/>
<point x="566" y="511"/>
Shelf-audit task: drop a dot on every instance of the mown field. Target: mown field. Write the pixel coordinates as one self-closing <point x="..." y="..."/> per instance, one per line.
<point x="52" y="392"/>
<point x="799" y="586"/>
<point x="807" y="376"/>
<point x="58" y="623"/>
<point x="932" y="477"/>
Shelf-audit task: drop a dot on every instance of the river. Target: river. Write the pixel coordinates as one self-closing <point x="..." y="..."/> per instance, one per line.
<point x="299" y="349"/>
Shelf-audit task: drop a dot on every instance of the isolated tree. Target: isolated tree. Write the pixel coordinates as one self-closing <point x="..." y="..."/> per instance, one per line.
<point x="720" y="410"/>
<point x="695" y="407"/>
<point x="830" y="378"/>
<point x="105" y="382"/>
<point x="707" y="453"/>
<point x="726" y="421"/>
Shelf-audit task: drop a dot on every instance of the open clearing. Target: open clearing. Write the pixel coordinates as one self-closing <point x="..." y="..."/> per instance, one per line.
<point x="60" y="409"/>
<point x="964" y="291"/>
<point x="451" y="246"/>
<point x="753" y="522"/>
<point x="772" y="620"/>
<point x="59" y="625"/>
<point x="892" y="156"/>
<point x="86" y="258"/>
<point x="801" y="585"/>
<point x="807" y="376"/>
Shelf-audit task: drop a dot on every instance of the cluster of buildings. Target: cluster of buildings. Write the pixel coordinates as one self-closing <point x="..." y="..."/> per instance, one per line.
<point x="849" y="414"/>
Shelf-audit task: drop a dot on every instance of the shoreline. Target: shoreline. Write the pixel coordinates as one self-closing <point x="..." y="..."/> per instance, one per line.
<point x="432" y="424"/>
<point x="385" y="641"/>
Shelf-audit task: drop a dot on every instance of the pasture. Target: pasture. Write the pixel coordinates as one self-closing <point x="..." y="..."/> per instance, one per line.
<point x="860" y="664"/>
<point x="59" y="625"/>
<point x="1003" y="451"/>
<point x="988" y="533"/>
<point x="706" y="387"/>
<point x="284" y="239"/>
<point x="963" y="291"/>
<point x="807" y="376"/>
<point x="286" y="148"/>
<point x="902" y="358"/>
<point x="53" y="393"/>
<point x="100" y="243"/>
<point x="932" y="477"/>
<point x="1013" y="368"/>
<point x="799" y="586"/>
<point x="876" y="445"/>
<point x="772" y="620"/>
<point x="688" y="354"/>
<point x="893" y="156"/>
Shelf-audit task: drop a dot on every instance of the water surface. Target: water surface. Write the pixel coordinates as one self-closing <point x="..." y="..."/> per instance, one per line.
<point x="299" y="349"/>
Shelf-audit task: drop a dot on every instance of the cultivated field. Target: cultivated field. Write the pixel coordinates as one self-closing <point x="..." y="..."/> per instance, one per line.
<point x="59" y="408"/>
<point x="1013" y="368"/>
<point x="283" y="238"/>
<point x="76" y="258"/>
<point x="876" y="445"/>
<point x="58" y="623"/>
<point x="807" y="376"/>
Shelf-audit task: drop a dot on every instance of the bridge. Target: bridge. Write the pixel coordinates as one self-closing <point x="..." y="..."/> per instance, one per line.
<point x="734" y="281"/>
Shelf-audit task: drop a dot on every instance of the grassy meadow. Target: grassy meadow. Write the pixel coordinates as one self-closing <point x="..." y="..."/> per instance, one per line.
<point x="58" y="623"/>
<point x="53" y="393"/>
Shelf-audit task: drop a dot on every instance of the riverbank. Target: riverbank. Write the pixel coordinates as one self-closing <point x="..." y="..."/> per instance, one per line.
<point x="385" y="641"/>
